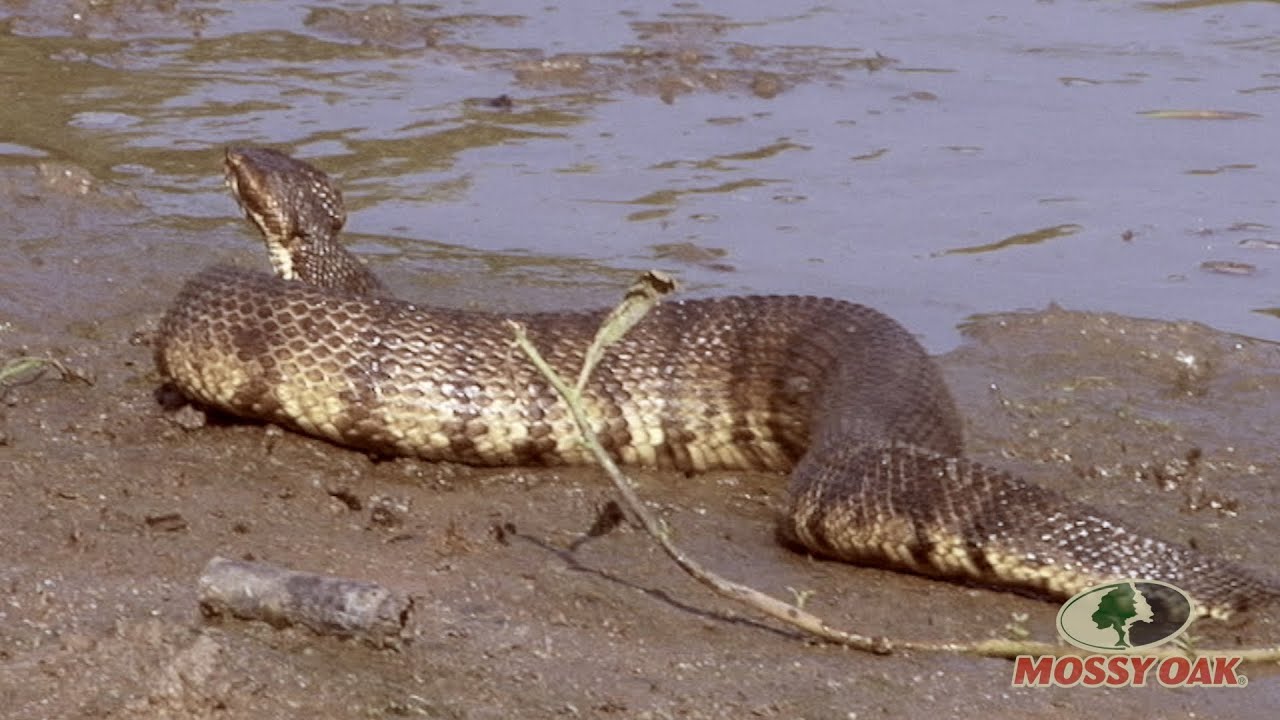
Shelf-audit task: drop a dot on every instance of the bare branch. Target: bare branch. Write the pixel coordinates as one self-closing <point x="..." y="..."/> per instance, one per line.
<point x="642" y="297"/>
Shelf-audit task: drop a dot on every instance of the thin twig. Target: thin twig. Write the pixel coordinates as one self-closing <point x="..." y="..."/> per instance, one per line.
<point x="642" y="296"/>
<point x="771" y="606"/>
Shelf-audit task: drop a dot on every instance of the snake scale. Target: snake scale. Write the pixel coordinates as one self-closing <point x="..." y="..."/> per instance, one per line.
<point x="837" y="393"/>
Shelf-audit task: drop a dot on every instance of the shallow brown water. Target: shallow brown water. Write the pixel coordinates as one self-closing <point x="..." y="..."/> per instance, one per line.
<point x="849" y="152"/>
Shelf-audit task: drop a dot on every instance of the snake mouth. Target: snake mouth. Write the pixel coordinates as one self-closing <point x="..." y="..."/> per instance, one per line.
<point x="251" y="187"/>
<point x="250" y="190"/>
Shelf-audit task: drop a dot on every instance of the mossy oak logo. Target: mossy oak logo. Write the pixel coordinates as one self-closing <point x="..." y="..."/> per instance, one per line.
<point x="1125" y="616"/>
<point x="1115" y="620"/>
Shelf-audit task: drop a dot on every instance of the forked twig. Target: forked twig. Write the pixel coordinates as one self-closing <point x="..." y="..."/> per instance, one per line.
<point x="643" y="295"/>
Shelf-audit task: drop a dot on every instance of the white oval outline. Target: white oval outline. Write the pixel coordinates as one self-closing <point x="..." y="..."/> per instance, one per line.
<point x="1191" y="616"/>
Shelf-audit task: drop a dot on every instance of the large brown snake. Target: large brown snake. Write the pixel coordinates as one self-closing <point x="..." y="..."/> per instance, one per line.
<point x="836" y="392"/>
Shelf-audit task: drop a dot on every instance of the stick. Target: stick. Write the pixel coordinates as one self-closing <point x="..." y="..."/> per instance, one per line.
<point x="325" y="604"/>
<point x="643" y="295"/>
<point x="640" y="298"/>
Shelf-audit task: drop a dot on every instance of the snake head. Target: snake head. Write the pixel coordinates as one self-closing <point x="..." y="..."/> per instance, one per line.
<point x="293" y="204"/>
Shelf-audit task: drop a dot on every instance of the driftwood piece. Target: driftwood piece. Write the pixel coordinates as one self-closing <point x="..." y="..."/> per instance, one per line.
<point x="325" y="604"/>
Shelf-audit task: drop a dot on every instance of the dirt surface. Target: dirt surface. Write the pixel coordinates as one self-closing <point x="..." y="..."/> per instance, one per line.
<point x="114" y="505"/>
<point x="113" y="508"/>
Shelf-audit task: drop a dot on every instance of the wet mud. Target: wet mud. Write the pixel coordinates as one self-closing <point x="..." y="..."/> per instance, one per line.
<point x="113" y="505"/>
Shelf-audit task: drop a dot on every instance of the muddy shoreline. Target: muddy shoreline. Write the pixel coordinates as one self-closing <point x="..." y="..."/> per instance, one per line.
<point x="774" y="148"/>
<point x="112" y="509"/>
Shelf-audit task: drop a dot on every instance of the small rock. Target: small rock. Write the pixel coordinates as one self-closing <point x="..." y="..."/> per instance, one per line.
<point x="386" y="511"/>
<point x="169" y="522"/>
<point x="502" y="102"/>
<point x="346" y="497"/>
<point x="188" y="417"/>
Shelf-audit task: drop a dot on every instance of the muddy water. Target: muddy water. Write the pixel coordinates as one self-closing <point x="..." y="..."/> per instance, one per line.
<point x="934" y="159"/>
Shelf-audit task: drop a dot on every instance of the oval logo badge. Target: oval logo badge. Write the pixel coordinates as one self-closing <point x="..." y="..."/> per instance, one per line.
<point x="1125" y="615"/>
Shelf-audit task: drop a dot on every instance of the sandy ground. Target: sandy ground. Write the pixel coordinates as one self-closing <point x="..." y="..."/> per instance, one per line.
<point x="112" y="508"/>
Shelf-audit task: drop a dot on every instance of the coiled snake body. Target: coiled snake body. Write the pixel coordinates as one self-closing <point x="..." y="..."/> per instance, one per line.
<point x="837" y="393"/>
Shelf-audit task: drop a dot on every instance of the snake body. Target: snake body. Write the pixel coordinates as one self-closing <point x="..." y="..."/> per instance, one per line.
<point x="836" y="393"/>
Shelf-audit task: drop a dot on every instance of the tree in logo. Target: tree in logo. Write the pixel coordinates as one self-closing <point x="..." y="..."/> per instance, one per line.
<point x="1125" y="615"/>
<point x="1119" y="609"/>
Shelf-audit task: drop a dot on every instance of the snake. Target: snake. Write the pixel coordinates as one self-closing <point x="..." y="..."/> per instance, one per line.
<point x="837" y="395"/>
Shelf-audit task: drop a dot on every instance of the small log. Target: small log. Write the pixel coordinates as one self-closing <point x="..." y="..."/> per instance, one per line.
<point x="325" y="604"/>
